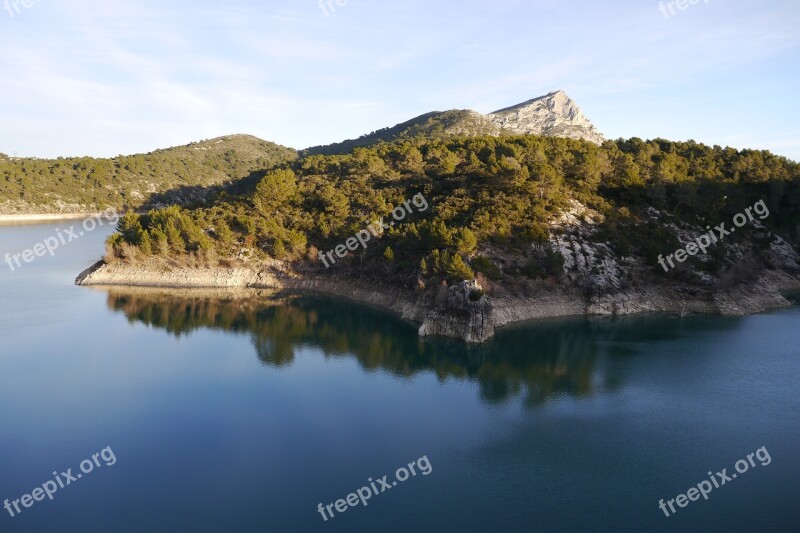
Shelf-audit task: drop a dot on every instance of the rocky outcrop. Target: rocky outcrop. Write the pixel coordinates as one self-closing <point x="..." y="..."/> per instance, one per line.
<point x="160" y="275"/>
<point x="273" y="275"/>
<point x="554" y="114"/>
<point x="762" y="295"/>
<point x="465" y="314"/>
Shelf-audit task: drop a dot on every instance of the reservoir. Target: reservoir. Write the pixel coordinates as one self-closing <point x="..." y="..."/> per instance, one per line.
<point x="245" y="412"/>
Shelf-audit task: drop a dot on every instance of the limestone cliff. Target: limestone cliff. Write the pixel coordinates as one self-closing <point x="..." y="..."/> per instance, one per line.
<point x="554" y="114"/>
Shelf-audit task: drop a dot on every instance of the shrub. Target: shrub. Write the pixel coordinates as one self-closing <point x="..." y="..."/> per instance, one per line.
<point x="458" y="270"/>
<point x="475" y="295"/>
<point x="484" y="265"/>
<point x="546" y="261"/>
<point x="466" y="241"/>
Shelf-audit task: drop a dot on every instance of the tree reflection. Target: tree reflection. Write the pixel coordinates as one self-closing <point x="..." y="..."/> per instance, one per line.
<point x="541" y="361"/>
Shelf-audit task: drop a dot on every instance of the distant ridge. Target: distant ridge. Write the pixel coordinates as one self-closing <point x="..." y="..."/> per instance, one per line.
<point x="554" y="114"/>
<point x="178" y="175"/>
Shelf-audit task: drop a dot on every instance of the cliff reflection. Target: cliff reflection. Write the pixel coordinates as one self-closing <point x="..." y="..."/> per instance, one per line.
<point x="552" y="358"/>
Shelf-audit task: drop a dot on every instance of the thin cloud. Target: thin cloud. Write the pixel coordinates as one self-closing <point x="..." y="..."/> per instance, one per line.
<point x="117" y="76"/>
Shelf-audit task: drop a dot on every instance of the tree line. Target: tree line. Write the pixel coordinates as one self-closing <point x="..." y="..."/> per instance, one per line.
<point x="493" y="202"/>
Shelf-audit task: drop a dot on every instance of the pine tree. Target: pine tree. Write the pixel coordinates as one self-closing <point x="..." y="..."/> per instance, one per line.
<point x="130" y="227"/>
<point x="176" y="242"/>
<point x="160" y="241"/>
<point x="458" y="269"/>
<point x="466" y="241"/>
<point x="145" y="243"/>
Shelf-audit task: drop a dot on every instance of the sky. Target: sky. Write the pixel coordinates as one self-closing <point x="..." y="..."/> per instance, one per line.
<point x="109" y="77"/>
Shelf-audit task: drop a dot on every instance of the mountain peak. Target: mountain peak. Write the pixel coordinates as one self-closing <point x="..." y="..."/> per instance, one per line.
<point x="552" y="114"/>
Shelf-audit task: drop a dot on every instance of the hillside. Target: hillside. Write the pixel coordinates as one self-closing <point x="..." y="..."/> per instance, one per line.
<point x="546" y="225"/>
<point x="196" y="172"/>
<point x="175" y="175"/>
<point x="554" y="114"/>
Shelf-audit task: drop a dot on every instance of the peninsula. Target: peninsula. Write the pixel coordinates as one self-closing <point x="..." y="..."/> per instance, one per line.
<point x="463" y="223"/>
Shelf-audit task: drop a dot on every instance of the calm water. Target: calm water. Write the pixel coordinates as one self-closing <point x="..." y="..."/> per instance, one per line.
<point x="244" y="415"/>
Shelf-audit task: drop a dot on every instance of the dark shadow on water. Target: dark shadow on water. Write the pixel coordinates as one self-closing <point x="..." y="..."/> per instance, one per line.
<point x="540" y="360"/>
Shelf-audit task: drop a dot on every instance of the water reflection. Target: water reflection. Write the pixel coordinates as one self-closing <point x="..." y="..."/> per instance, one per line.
<point x="541" y="361"/>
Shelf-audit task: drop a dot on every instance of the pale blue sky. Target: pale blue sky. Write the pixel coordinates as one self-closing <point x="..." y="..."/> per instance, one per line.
<point x="103" y="77"/>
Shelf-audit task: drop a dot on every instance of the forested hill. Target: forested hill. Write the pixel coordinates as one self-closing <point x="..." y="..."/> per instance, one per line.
<point x="512" y="208"/>
<point x="174" y="175"/>
<point x="430" y="125"/>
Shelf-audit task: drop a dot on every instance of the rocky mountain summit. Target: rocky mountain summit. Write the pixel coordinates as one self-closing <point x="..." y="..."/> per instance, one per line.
<point x="554" y="114"/>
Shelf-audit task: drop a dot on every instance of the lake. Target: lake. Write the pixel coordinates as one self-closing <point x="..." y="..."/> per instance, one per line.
<point x="245" y="413"/>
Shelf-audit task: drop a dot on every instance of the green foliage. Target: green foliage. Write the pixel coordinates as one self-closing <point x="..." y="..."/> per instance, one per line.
<point x="498" y="195"/>
<point x="278" y="250"/>
<point x="130" y="227"/>
<point x="546" y="261"/>
<point x="146" y="243"/>
<point x="275" y="190"/>
<point x="176" y="175"/>
<point x="466" y="241"/>
<point x="447" y="264"/>
<point x="485" y="266"/>
<point x="223" y="232"/>
<point x="176" y="243"/>
<point x="160" y="241"/>
<point x="457" y="269"/>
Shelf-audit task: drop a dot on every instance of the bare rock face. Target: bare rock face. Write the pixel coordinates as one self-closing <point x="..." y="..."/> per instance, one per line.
<point x="466" y="314"/>
<point x="554" y="114"/>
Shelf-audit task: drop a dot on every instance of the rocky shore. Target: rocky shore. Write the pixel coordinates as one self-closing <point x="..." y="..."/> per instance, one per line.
<point x="28" y="218"/>
<point x="462" y="311"/>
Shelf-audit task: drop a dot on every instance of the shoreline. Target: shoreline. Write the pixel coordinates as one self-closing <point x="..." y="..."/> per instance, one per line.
<point x="28" y="218"/>
<point x="459" y="317"/>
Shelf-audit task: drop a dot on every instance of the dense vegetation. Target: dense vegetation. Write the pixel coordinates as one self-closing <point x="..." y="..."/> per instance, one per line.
<point x="175" y="175"/>
<point x="429" y="125"/>
<point x="492" y="204"/>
